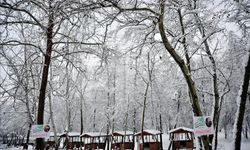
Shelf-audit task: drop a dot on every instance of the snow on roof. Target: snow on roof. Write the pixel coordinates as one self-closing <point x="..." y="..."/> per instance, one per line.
<point x="70" y="134"/>
<point x="51" y="134"/>
<point x="93" y="134"/>
<point x="181" y="128"/>
<point x="121" y="133"/>
<point x="149" y="132"/>
<point x="73" y="134"/>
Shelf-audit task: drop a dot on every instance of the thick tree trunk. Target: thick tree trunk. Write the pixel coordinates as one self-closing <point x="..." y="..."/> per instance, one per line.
<point x="181" y="64"/>
<point x="184" y="68"/>
<point x="241" y="107"/>
<point x="41" y="102"/>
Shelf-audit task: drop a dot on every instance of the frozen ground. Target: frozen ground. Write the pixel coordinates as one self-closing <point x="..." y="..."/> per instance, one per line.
<point x="223" y="144"/>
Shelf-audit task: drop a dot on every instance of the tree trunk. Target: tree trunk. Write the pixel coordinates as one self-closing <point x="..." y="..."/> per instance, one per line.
<point x="30" y="120"/>
<point x="143" y="114"/>
<point x="126" y="117"/>
<point x="94" y="123"/>
<point x="200" y="143"/>
<point x="216" y="101"/>
<point x="134" y="128"/>
<point x="241" y="108"/>
<point x="81" y="113"/>
<point x="26" y="90"/>
<point x="184" y="68"/>
<point x="114" y="98"/>
<point x="150" y="74"/>
<point x="67" y="94"/>
<point x="107" y="140"/>
<point x="41" y="102"/>
<point x="161" y="132"/>
<point x="125" y="95"/>
<point x="135" y="88"/>
<point x="181" y="64"/>
<point x="215" y="83"/>
<point x="51" y="113"/>
<point x="225" y="130"/>
<point x="247" y="120"/>
<point x="246" y="131"/>
<point x="26" y="145"/>
<point x="184" y="43"/>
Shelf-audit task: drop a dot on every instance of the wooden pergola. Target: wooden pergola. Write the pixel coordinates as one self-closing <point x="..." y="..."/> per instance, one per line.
<point x="122" y="140"/>
<point x="181" y="137"/>
<point x="94" y="140"/>
<point x="150" y="140"/>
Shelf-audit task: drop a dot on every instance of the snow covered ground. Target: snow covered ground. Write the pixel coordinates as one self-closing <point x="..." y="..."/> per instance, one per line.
<point x="223" y="144"/>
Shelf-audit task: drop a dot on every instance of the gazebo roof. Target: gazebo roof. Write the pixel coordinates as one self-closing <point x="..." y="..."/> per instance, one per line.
<point x="181" y="130"/>
<point x="149" y="132"/>
<point x="93" y="134"/>
<point x="122" y="133"/>
<point x="71" y="134"/>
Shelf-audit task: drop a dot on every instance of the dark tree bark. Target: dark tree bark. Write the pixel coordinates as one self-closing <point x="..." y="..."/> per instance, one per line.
<point x="185" y="70"/>
<point x="41" y="102"/>
<point x="242" y="106"/>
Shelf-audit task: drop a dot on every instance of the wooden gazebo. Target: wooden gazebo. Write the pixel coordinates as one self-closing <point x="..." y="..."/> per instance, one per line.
<point x="94" y="140"/>
<point x="152" y="140"/>
<point x="50" y="143"/>
<point x="71" y="140"/>
<point x="181" y="137"/>
<point x="122" y="140"/>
